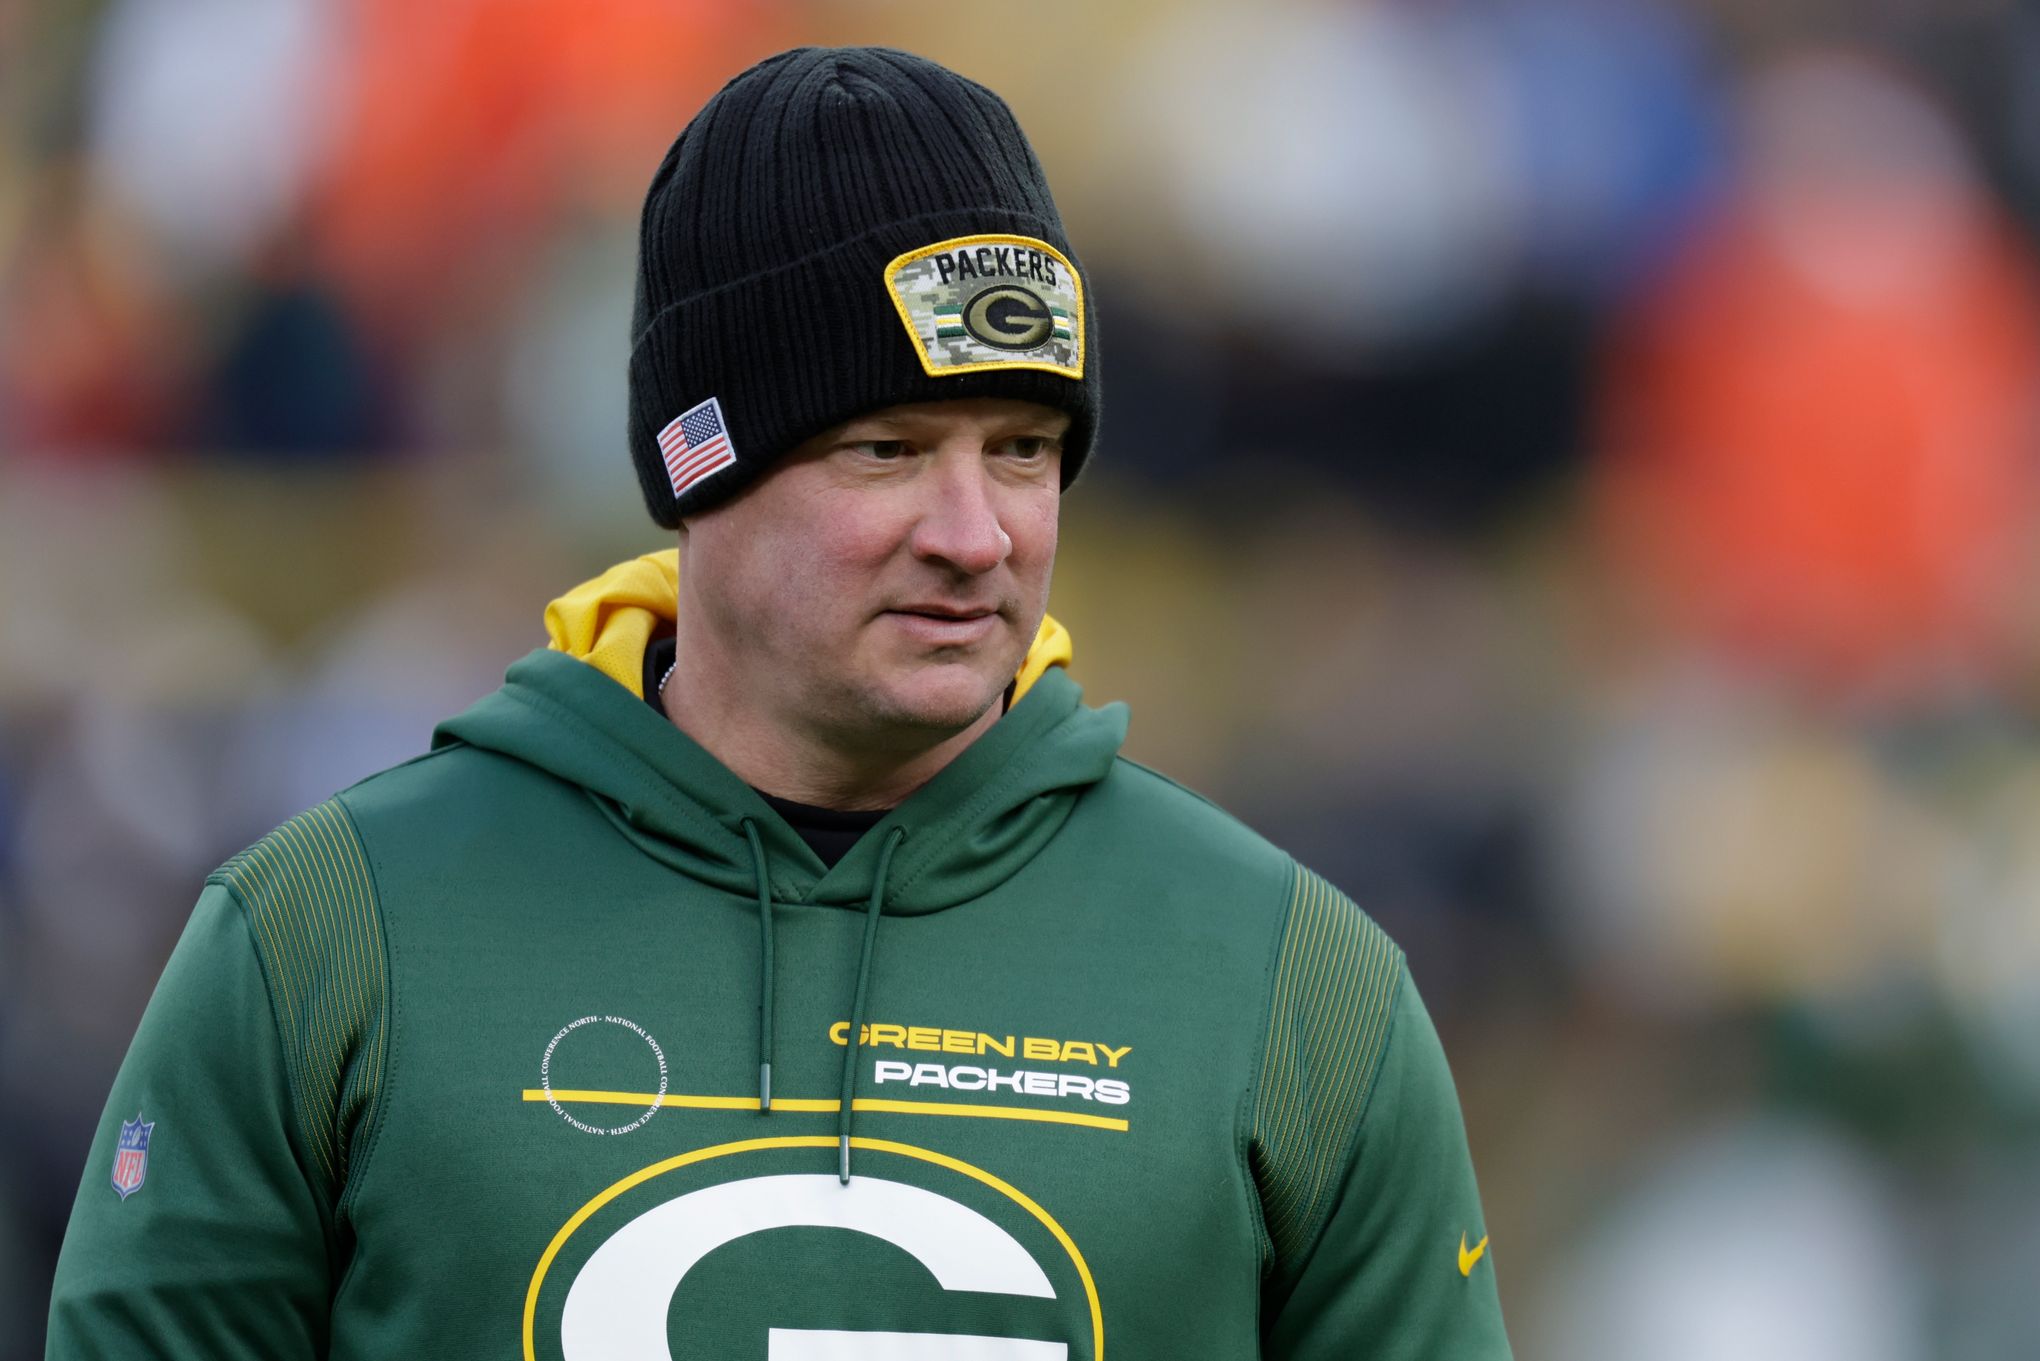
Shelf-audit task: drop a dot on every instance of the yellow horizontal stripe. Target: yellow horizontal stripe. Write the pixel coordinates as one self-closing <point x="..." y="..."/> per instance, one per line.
<point x="984" y="1112"/>
<point x="700" y="1103"/>
<point x="862" y="1103"/>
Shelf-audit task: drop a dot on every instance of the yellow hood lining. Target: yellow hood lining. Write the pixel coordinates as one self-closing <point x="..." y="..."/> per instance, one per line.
<point x="609" y="622"/>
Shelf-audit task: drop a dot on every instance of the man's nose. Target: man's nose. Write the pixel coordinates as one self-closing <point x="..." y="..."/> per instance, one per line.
<point x="959" y="524"/>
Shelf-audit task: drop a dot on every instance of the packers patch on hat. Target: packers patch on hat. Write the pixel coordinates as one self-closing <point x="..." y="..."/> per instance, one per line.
<point x="991" y="302"/>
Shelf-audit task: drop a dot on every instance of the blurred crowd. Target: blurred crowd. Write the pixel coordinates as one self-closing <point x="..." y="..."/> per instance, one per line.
<point x="1568" y="472"/>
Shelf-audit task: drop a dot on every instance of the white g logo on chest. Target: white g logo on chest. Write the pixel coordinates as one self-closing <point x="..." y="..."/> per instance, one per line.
<point x="617" y="1307"/>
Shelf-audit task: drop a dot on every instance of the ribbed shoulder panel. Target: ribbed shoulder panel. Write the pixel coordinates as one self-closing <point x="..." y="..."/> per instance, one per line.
<point x="312" y="910"/>
<point x="1333" y="992"/>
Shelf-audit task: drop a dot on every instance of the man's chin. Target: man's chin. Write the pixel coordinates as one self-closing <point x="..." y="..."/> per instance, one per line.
<point x="939" y="701"/>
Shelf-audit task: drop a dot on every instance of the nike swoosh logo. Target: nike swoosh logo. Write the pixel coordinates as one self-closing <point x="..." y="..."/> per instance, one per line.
<point x="1469" y="1260"/>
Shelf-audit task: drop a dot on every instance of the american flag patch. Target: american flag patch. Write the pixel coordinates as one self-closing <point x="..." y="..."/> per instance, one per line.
<point x="696" y="444"/>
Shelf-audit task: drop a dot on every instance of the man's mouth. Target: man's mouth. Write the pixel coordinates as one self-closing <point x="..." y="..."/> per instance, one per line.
<point x="944" y="625"/>
<point x="945" y="611"/>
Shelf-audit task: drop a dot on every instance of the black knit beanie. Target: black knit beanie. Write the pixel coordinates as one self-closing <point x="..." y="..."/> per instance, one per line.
<point x="838" y="230"/>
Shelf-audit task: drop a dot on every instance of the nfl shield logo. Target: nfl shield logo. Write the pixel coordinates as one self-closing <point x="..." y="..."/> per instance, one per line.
<point x="131" y="1156"/>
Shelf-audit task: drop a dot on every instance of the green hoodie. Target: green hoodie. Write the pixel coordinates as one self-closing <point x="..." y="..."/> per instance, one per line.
<point x="473" y="1060"/>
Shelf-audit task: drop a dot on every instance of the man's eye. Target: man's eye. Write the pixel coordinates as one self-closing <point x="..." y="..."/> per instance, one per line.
<point x="1028" y="447"/>
<point x="881" y="449"/>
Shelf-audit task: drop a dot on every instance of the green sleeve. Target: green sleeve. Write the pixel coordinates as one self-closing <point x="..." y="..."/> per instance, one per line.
<point x="1360" y="1156"/>
<point x="223" y="1250"/>
<point x="257" y="1068"/>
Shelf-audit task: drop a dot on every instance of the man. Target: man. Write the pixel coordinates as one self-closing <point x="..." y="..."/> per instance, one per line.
<point x="784" y="963"/>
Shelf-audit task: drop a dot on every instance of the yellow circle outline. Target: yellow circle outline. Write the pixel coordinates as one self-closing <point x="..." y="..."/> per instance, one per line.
<point x="645" y="1174"/>
<point x="928" y="366"/>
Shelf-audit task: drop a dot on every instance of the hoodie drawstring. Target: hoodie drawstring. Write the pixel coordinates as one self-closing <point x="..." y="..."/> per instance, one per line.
<point x="765" y="969"/>
<point x="851" y="1050"/>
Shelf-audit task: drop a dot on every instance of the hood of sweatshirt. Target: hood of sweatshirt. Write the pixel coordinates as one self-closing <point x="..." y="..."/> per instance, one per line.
<point x="575" y="709"/>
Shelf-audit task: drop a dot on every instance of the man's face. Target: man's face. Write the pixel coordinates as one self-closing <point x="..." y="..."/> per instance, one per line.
<point x="880" y="586"/>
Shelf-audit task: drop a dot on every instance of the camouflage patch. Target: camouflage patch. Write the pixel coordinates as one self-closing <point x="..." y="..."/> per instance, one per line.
<point x="991" y="302"/>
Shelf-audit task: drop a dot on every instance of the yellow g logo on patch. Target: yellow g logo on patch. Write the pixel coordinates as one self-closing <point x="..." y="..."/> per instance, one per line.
<point x="990" y="302"/>
<point x="1009" y="317"/>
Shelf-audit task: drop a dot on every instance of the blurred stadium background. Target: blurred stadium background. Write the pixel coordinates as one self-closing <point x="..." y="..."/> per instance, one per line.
<point x="1569" y="473"/>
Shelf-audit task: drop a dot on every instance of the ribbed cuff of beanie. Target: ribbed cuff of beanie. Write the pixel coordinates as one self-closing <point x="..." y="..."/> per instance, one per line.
<point x="796" y="350"/>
